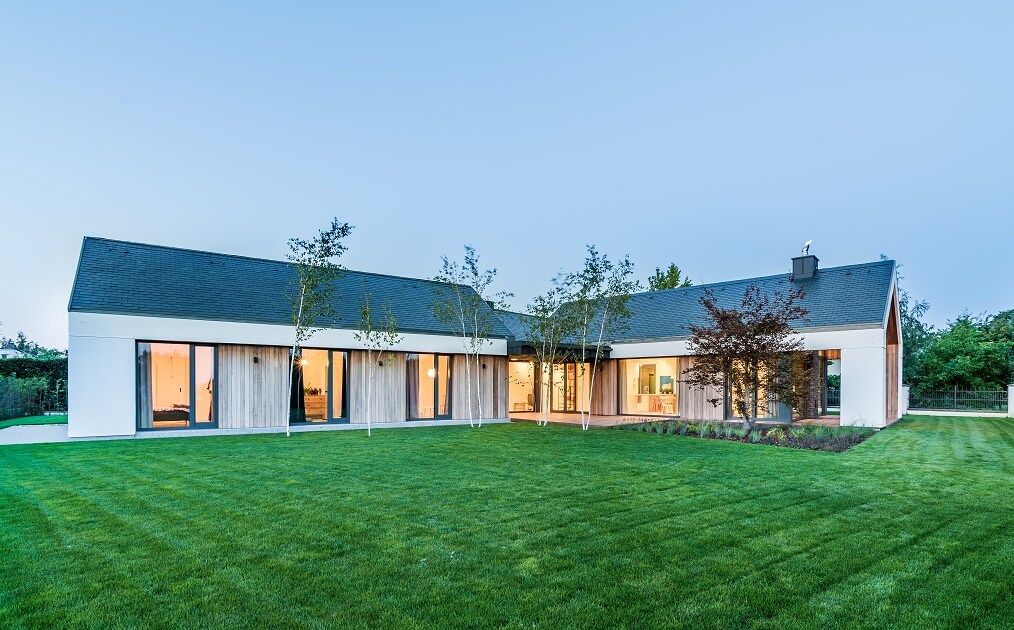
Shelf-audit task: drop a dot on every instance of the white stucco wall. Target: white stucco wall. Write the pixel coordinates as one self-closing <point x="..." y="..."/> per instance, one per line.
<point x="863" y="387"/>
<point x="100" y="386"/>
<point x="863" y="367"/>
<point x="101" y="370"/>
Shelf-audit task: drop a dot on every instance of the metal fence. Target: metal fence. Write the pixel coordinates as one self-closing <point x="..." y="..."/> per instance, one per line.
<point x="959" y="400"/>
<point x="833" y="395"/>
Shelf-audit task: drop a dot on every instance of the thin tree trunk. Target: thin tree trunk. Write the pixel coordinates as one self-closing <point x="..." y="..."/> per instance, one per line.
<point x="292" y="358"/>
<point x="478" y="372"/>
<point x="369" y="392"/>
<point x="595" y="364"/>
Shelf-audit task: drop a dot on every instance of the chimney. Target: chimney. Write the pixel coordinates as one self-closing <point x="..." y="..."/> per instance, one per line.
<point x="804" y="267"/>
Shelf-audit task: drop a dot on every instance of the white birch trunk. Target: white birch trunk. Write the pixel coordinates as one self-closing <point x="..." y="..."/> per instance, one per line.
<point x="292" y="359"/>
<point x="595" y="363"/>
<point x="369" y="392"/>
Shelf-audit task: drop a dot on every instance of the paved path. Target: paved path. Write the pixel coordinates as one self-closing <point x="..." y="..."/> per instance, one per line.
<point x="34" y="434"/>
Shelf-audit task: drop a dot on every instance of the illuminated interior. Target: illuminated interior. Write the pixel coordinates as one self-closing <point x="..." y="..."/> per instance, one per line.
<point x="569" y="386"/>
<point x="650" y="386"/>
<point x="175" y="385"/>
<point x="319" y="386"/>
<point x="521" y="385"/>
<point x="310" y="393"/>
<point x="429" y="386"/>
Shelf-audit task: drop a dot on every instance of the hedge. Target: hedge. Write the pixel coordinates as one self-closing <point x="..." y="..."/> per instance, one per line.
<point x="45" y="379"/>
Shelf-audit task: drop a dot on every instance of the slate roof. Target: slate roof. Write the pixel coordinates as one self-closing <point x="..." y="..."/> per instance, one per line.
<point x="138" y="279"/>
<point x="517" y="323"/>
<point x="837" y="297"/>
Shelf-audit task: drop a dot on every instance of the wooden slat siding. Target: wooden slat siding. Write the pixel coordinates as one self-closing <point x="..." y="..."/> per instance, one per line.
<point x="501" y="388"/>
<point x="604" y="399"/>
<point x="252" y="395"/>
<point x="892" y="362"/>
<point x="459" y="396"/>
<point x="693" y="402"/>
<point x="389" y="402"/>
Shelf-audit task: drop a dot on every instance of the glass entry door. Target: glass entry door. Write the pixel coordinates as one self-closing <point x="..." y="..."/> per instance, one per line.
<point x="566" y="390"/>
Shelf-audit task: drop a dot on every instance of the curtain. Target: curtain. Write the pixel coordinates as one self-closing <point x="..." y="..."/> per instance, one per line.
<point x="144" y="401"/>
<point x="412" y="360"/>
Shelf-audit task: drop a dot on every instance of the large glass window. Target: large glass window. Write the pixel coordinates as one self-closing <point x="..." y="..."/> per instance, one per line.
<point x="176" y="386"/>
<point x="318" y="391"/>
<point x="521" y="386"/>
<point x="569" y="386"/>
<point x="649" y="386"/>
<point x="429" y="386"/>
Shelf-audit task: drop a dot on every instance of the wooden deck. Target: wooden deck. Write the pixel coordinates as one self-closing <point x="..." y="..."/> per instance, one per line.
<point x="575" y="419"/>
<point x="611" y="421"/>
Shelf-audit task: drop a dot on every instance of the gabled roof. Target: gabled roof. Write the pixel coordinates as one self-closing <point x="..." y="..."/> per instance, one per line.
<point x="138" y="279"/>
<point x="837" y="297"/>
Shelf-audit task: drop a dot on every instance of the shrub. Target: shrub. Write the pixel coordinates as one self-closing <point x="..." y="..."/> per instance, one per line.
<point x="20" y="397"/>
<point x="683" y="428"/>
<point x="755" y="436"/>
<point x="53" y="373"/>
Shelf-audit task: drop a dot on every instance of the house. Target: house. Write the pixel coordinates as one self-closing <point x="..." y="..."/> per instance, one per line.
<point x="167" y="339"/>
<point x="9" y="351"/>
<point x="164" y="339"/>
<point x="852" y="329"/>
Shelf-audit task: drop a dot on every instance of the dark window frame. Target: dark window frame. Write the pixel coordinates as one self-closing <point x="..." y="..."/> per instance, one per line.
<point x="331" y="418"/>
<point x="192" y="423"/>
<point x="437" y="363"/>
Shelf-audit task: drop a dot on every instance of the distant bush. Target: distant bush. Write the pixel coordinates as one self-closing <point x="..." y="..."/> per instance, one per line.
<point x="805" y="436"/>
<point x="52" y="371"/>
<point x="20" y="397"/>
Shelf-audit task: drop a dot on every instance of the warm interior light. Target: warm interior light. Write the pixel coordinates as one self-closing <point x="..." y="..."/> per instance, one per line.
<point x="431" y="373"/>
<point x="304" y="361"/>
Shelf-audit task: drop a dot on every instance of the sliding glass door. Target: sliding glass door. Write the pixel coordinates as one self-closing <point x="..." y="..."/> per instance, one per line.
<point x="569" y="385"/>
<point x="318" y="391"/>
<point x="176" y="386"/>
<point x="429" y="386"/>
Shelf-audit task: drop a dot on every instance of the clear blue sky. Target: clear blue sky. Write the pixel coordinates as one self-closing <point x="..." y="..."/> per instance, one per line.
<point x="716" y="135"/>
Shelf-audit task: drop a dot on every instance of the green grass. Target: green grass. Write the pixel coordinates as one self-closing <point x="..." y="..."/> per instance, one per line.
<point x="512" y="526"/>
<point x="33" y="420"/>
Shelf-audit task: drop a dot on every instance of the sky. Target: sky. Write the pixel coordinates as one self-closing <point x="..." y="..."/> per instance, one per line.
<point x="717" y="135"/>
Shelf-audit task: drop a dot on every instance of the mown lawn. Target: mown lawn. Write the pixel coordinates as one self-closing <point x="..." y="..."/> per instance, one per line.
<point x="33" y="420"/>
<point x="512" y="526"/>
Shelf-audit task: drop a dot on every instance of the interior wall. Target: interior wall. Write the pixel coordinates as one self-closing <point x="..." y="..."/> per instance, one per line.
<point x="521" y="385"/>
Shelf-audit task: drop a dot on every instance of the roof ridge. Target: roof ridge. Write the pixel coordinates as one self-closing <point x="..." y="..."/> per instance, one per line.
<point x="252" y="258"/>
<point x="760" y="278"/>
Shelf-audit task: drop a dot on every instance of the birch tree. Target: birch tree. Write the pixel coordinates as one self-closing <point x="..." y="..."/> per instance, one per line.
<point x="598" y="300"/>
<point x="464" y="305"/>
<point x="378" y="337"/>
<point x="314" y="292"/>
<point x="746" y="349"/>
<point x="549" y="325"/>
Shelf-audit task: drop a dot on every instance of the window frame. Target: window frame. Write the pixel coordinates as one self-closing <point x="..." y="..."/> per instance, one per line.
<point x="192" y="369"/>
<point x="331" y="418"/>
